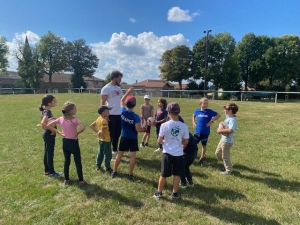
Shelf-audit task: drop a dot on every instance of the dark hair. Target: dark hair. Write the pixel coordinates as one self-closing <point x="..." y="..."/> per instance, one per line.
<point x="164" y="102"/>
<point x="115" y="74"/>
<point x="45" y="101"/>
<point x="130" y="105"/>
<point x="234" y="108"/>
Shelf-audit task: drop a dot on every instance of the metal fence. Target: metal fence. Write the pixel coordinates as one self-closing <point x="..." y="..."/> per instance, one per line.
<point x="268" y="96"/>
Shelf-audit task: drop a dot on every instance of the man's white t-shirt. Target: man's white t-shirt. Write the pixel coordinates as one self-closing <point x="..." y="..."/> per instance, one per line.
<point x="114" y="94"/>
<point x="173" y="132"/>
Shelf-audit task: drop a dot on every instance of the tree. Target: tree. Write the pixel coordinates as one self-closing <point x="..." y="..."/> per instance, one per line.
<point x="28" y="66"/>
<point x="107" y="79"/>
<point x="52" y="52"/>
<point x="3" y="54"/>
<point x="176" y="64"/>
<point x="81" y="62"/>
<point x="246" y="53"/>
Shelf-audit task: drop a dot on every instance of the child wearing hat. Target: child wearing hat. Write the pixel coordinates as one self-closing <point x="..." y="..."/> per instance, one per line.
<point x="130" y="123"/>
<point x="100" y="126"/>
<point x="146" y="111"/>
<point x="174" y="137"/>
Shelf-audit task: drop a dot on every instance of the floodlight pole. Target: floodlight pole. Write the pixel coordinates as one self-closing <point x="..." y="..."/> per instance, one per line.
<point x="206" y="55"/>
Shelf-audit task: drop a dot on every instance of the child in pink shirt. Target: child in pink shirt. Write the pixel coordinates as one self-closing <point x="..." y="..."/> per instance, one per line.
<point x="70" y="142"/>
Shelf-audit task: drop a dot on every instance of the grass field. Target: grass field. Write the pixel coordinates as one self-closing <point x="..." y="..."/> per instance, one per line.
<point x="264" y="189"/>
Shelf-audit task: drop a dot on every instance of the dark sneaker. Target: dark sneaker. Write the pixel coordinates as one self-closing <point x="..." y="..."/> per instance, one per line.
<point x="113" y="174"/>
<point x="176" y="195"/>
<point x="157" y="195"/>
<point x="183" y="185"/>
<point x="82" y="183"/>
<point x="146" y="145"/>
<point x="109" y="170"/>
<point x="55" y="174"/>
<point x="130" y="176"/>
<point x="201" y="161"/>
<point x="226" y="173"/>
<point x="66" y="182"/>
<point x="191" y="183"/>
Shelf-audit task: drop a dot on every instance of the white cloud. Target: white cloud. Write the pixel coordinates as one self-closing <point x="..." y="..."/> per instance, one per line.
<point x="177" y="14"/>
<point x="132" y="20"/>
<point x="137" y="57"/>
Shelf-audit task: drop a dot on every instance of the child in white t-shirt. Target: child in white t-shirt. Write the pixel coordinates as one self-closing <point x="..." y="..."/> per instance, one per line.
<point x="173" y="136"/>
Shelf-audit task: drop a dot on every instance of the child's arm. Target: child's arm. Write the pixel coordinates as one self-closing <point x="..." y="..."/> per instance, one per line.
<point x="138" y="128"/>
<point x="142" y="112"/>
<point x="160" y="140"/>
<point x="152" y="112"/>
<point x="194" y="121"/>
<point x="82" y="128"/>
<point x="184" y="143"/>
<point x="51" y="127"/>
<point x="224" y="132"/>
<point x="213" y="119"/>
<point x="128" y="92"/>
<point x="99" y="132"/>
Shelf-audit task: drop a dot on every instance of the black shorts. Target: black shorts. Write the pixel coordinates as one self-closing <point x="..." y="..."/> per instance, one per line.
<point x="201" y="137"/>
<point x="127" y="144"/>
<point x="171" y="165"/>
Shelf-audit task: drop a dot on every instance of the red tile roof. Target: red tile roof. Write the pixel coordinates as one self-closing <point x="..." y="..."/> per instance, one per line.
<point x="183" y="86"/>
<point x="153" y="84"/>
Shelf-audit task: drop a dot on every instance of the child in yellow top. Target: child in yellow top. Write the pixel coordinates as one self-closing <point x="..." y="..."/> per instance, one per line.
<point x="100" y="126"/>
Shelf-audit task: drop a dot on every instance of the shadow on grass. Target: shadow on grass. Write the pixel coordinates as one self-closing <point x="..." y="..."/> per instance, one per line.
<point x="94" y="191"/>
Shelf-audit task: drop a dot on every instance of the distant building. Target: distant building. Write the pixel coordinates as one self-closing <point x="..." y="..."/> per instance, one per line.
<point x="152" y="88"/>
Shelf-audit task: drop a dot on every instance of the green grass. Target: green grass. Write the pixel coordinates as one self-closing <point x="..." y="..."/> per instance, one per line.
<point x="264" y="189"/>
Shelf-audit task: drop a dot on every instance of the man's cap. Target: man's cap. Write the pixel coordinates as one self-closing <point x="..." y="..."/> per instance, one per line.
<point x="173" y="107"/>
<point x="146" y="97"/>
<point x="102" y="108"/>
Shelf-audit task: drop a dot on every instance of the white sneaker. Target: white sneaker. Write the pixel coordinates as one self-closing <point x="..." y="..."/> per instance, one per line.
<point x="142" y="146"/>
<point x="157" y="150"/>
<point x="114" y="152"/>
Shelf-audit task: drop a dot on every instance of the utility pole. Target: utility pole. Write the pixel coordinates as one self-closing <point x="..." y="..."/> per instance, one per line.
<point x="206" y="64"/>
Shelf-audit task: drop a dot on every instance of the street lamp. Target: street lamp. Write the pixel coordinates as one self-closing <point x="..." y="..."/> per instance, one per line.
<point x="206" y="64"/>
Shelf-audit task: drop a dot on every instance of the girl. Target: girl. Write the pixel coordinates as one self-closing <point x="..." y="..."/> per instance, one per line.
<point x="160" y="117"/>
<point x="48" y="101"/>
<point x="70" y="140"/>
<point x="146" y="111"/>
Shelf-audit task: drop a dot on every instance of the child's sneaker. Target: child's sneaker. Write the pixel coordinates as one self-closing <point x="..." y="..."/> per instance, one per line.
<point x="201" y="161"/>
<point x="191" y="183"/>
<point x="97" y="168"/>
<point x="157" y="195"/>
<point x="130" y="176"/>
<point x="113" y="174"/>
<point x="226" y="173"/>
<point x="115" y="152"/>
<point x="183" y="185"/>
<point x="55" y="174"/>
<point x="146" y="145"/>
<point x="175" y="195"/>
<point x="46" y="173"/>
<point x="158" y="150"/>
<point x="82" y="183"/>
<point x="66" y="182"/>
<point x="142" y="145"/>
<point x="109" y="171"/>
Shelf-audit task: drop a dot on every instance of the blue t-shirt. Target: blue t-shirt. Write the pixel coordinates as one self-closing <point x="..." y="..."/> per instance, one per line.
<point x="203" y="117"/>
<point x="128" y="121"/>
<point x="231" y="123"/>
<point x="160" y="114"/>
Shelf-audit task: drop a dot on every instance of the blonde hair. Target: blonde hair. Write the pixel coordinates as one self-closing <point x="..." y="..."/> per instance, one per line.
<point x="203" y="100"/>
<point x="67" y="108"/>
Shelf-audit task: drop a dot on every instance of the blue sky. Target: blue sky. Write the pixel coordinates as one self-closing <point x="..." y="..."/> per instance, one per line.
<point x="131" y="35"/>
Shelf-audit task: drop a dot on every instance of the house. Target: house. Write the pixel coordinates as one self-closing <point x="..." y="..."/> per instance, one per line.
<point x="152" y="88"/>
<point x="60" y="82"/>
<point x="183" y="86"/>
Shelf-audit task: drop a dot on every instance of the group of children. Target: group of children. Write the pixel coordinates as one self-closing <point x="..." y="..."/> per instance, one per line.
<point x="178" y="145"/>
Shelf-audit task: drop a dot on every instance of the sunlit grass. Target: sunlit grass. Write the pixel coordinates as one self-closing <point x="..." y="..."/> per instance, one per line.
<point x="264" y="189"/>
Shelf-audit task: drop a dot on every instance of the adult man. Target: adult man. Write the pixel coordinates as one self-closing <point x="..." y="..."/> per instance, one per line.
<point x="111" y="95"/>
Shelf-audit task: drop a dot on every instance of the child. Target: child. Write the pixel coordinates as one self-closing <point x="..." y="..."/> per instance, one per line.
<point x="174" y="136"/>
<point x="226" y="142"/>
<point x="100" y="126"/>
<point x="70" y="144"/>
<point x="190" y="154"/>
<point x="48" y="101"/>
<point x="160" y="117"/>
<point x="129" y="134"/>
<point x="146" y="111"/>
<point x="202" y="119"/>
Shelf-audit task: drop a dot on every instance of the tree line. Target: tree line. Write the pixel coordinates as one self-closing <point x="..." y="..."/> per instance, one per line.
<point x="261" y="62"/>
<point x="51" y="55"/>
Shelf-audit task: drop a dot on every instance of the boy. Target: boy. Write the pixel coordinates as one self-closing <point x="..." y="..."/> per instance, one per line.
<point x="174" y="136"/>
<point x="129" y="135"/>
<point x="100" y="126"/>
<point x="146" y="111"/>
<point x="202" y="119"/>
<point x="223" y="149"/>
